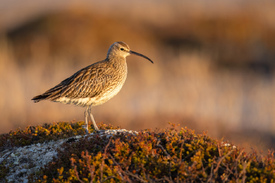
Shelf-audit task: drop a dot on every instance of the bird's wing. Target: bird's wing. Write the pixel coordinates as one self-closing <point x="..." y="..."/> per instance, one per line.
<point x="87" y="82"/>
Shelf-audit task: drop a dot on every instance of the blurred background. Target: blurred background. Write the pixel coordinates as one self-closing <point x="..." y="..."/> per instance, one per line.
<point x="213" y="71"/>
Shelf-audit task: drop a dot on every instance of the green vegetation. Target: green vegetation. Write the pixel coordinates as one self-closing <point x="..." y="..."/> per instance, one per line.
<point x="174" y="154"/>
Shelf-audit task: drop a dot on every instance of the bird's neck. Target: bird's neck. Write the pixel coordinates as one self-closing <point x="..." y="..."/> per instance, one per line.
<point x="118" y="62"/>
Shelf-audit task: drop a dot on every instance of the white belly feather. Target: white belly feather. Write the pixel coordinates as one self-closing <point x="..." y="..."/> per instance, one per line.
<point x="97" y="100"/>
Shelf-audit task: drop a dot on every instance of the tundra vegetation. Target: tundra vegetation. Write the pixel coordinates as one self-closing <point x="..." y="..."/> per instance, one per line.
<point x="173" y="154"/>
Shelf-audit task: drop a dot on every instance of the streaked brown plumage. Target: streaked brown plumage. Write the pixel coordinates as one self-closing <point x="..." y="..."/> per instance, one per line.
<point x="94" y="84"/>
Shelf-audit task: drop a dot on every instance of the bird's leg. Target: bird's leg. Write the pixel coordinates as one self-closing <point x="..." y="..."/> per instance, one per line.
<point x="86" y="120"/>
<point x="92" y="118"/>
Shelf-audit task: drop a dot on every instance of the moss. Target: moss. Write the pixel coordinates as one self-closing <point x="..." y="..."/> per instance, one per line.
<point x="158" y="156"/>
<point x="3" y="171"/>
<point x="174" y="154"/>
<point x="39" y="134"/>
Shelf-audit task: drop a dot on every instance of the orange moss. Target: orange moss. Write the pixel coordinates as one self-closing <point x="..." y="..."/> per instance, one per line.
<point x="162" y="155"/>
<point x="39" y="134"/>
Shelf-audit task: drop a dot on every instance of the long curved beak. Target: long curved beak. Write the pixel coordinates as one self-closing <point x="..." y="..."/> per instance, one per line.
<point x="139" y="54"/>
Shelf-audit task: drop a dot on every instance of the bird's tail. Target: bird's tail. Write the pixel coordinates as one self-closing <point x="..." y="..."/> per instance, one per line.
<point x="51" y="94"/>
<point x="39" y="97"/>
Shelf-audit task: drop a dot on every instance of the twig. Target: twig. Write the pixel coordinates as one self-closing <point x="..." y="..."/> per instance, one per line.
<point x="110" y="177"/>
<point x="236" y="166"/>
<point x="168" y="156"/>
<point x="135" y="176"/>
<point x="218" y="164"/>
<point x="103" y="159"/>
<point x="181" y="146"/>
<point x="211" y="174"/>
<point x="162" y="148"/>
<point x="91" y="168"/>
<point x="180" y="159"/>
<point x="221" y="159"/>
<point x="76" y="174"/>
<point x="120" y="169"/>
<point x="128" y="172"/>
<point x="168" y="179"/>
<point x="244" y="170"/>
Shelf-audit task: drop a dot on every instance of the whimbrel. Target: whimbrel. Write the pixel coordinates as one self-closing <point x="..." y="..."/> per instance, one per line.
<point x="94" y="84"/>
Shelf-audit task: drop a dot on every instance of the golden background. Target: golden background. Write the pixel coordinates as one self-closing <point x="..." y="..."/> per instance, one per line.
<point x="213" y="71"/>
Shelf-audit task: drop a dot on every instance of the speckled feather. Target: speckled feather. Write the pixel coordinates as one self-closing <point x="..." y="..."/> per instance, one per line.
<point x="94" y="84"/>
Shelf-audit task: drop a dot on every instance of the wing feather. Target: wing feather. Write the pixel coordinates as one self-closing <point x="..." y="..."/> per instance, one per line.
<point x="87" y="82"/>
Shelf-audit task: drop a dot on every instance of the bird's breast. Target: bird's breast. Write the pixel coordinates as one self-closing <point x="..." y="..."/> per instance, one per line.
<point x="111" y="89"/>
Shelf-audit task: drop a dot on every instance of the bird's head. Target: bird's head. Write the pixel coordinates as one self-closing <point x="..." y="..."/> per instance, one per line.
<point x="123" y="50"/>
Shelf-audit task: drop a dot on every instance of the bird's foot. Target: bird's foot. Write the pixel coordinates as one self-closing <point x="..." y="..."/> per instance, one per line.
<point x="86" y="129"/>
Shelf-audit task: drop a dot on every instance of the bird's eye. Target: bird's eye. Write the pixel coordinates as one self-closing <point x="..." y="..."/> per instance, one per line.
<point x="122" y="49"/>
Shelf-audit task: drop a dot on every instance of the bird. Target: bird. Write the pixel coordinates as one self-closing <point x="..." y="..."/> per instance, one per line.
<point x="95" y="84"/>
